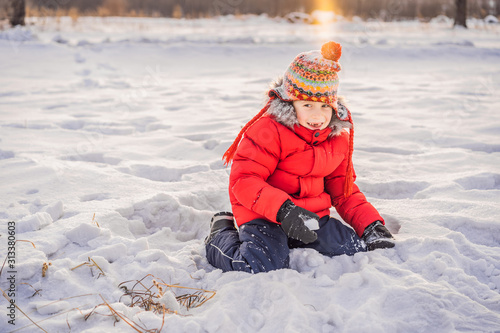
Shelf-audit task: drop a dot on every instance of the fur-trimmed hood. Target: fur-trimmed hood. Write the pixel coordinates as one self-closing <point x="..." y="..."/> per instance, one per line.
<point x="284" y="113"/>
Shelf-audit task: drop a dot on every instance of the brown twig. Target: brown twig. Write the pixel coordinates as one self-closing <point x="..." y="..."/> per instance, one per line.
<point x="9" y="300"/>
<point x="96" y="265"/>
<point x="115" y="314"/>
<point x="132" y="324"/>
<point x="37" y="291"/>
<point x="95" y="221"/>
<point x="19" y="240"/>
<point x="94" y="311"/>
<point x="83" y="263"/>
<point x="149" y="300"/>
<point x="53" y="316"/>
<point x="45" y="267"/>
<point x="90" y="263"/>
<point x="67" y="323"/>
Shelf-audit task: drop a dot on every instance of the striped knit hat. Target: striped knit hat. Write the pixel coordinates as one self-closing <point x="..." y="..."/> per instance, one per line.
<point x="312" y="76"/>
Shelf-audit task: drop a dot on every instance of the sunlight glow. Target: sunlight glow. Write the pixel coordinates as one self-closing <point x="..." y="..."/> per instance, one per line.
<point x="324" y="14"/>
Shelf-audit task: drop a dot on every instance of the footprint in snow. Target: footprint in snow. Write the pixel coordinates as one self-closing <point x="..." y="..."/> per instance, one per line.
<point x="481" y="181"/>
<point x="4" y="154"/>
<point x="165" y="211"/>
<point x="85" y="72"/>
<point x="93" y="158"/>
<point x="211" y="144"/>
<point x="388" y="150"/>
<point x="174" y="108"/>
<point x="398" y="189"/>
<point x="75" y="124"/>
<point x="392" y="223"/>
<point x="106" y="67"/>
<point x="160" y="173"/>
<point x="208" y="143"/>
<point x="478" y="232"/>
<point x="55" y="106"/>
<point x="94" y="197"/>
<point x="481" y="147"/>
<point x="197" y="137"/>
<point x="79" y="58"/>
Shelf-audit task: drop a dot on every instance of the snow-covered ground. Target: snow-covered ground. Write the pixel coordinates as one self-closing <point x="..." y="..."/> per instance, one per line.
<point x="111" y="137"/>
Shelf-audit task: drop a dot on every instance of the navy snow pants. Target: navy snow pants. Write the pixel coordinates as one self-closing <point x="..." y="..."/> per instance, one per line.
<point x="262" y="246"/>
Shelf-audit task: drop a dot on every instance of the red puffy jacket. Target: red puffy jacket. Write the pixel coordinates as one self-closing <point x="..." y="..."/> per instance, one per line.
<point x="274" y="163"/>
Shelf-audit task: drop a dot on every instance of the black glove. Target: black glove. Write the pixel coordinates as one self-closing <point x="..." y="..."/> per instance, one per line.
<point x="292" y="220"/>
<point x="376" y="236"/>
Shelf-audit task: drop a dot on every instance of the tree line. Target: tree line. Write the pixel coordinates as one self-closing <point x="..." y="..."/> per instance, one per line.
<point x="380" y="9"/>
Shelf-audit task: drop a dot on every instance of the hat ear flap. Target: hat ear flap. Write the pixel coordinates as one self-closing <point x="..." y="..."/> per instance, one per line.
<point x="342" y="112"/>
<point x="279" y="90"/>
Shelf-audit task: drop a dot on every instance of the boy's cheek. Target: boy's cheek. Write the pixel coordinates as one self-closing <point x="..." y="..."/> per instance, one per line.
<point x="301" y="120"/>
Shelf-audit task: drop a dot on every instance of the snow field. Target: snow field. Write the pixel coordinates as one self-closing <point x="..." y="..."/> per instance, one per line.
<point x="129" y="120"/>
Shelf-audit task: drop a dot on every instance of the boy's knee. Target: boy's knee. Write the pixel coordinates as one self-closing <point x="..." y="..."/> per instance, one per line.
<point x="264" y="260"/>
<point x="264" y="246"/>
<point x="223" y="251"/>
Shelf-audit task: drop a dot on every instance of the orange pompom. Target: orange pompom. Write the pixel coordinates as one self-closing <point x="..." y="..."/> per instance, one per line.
<point x="331" y="51"/>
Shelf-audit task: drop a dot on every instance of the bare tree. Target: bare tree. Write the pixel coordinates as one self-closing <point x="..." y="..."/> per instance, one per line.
<point x="461" y="14"/>
<point x="18" y="12"/>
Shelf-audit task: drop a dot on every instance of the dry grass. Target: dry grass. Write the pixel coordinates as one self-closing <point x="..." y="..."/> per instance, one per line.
<point x="17" y="307"/>
<point x="37" y="291"/>
<point x="50" y="317"/>
<point x="45" y="268"/>
<point x="94" y="221"/>
<point x="91" y="263"/>
<point x="147" y="292"/>
<point x="117" y="316"/>
<point x="19" y="240"/>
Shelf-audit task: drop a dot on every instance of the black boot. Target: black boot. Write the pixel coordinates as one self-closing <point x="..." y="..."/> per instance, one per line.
<point x="376" y="236"/>
<point x="220" y="221"/>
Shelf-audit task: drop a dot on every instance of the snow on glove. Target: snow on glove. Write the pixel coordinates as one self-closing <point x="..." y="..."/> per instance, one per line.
<point x="376" y="236"/>
<point x="293" y="219"/>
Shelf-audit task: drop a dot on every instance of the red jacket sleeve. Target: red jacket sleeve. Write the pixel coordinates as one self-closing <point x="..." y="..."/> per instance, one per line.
<point x="355" y="209"/>
<point x="255" y="160"/>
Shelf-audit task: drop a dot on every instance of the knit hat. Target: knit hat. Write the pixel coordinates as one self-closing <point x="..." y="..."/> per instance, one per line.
<point x="312" y="76"/>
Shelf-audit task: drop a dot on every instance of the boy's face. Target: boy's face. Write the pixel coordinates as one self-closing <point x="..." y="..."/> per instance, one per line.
<point x="313" y="115"/>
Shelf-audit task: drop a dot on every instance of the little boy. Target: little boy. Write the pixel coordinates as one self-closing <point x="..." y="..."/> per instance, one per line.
<point x="291" y="163"/>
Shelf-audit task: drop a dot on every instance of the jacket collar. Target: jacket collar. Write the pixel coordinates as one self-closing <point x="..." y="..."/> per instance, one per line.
<point x="312" y="137"/>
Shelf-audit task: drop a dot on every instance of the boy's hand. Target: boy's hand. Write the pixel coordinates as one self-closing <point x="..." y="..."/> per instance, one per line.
<point x="376" y="236"/>
<point x="292" y="220"/>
